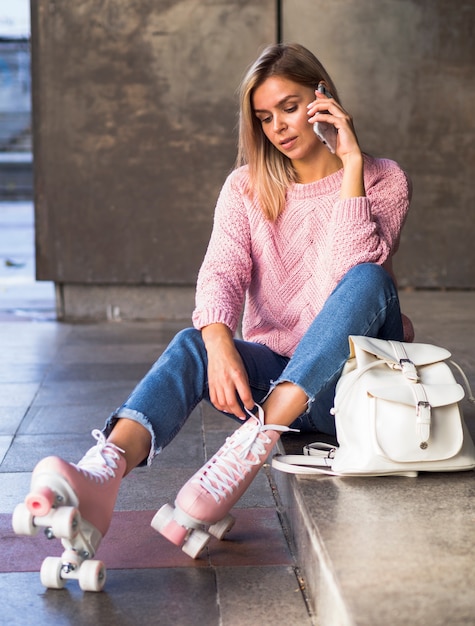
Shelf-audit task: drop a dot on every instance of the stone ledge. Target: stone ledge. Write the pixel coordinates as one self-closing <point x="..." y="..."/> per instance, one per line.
<point x="383" y="550"/>
<point x="87" y="303"/>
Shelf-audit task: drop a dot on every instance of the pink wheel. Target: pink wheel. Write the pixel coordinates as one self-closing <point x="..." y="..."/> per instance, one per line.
<point x="164" y="523"/>
<point x="174" y="533"/>
<point x="39" y="502"/>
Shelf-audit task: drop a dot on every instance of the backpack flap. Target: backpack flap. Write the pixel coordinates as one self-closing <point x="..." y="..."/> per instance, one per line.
<point x="416" y="423"/>
<point x="366" y="349"/>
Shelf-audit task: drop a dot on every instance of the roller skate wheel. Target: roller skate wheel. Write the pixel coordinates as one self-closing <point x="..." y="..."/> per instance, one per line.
<point x="162" y="517"/>
<point x="222" y="527"/>
<point x="50" y="573"/>
<point x="92" y="576"/>
<point x="22" y="521"/>
<point x="174" y="532"/>
<point x="164" y="523"/>
<point x="41" y="501"/>
<point x="196" y="542"/>
<point x="65" y="523"/>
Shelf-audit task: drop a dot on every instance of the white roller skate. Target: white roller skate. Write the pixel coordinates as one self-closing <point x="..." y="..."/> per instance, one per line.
<point x="74" y="503"/>
<point x="209" y="495"/>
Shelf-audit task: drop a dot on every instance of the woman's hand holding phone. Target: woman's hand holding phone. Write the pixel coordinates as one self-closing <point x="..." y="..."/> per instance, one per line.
<point x="335" y="128"/>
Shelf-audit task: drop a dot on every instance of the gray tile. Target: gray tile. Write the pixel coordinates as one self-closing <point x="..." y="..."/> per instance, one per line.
<point x="65" y="431"/>
<point x="65" y="419"/>
<point x="83" y="392"/>
<point x="120" y="353"/>
<point x="38" y="339"/>
<point x="263" y="595"/>
<point x="67" y="372"/>
<point x="13" y="489"/>
<point x="215" y="420"/>
<point x="5" y="443"/>
<point x="214" y="439"/>
<point x="17" y="394"/>
<point x="10" y="419"/>
<point x="258" y="494"/>
<point x="220" y="426"/>
<point x="25" y="355"/>
<point x="11" y="372"/>
<point x="56" y="424"/>
<point x="194" y="423"/>
<point x="172" y="597"/>
<point x="126" y="333"/>
<point x="186" y="450"/>
<point x="27" y="450"/>
<point x="147" y="489"/>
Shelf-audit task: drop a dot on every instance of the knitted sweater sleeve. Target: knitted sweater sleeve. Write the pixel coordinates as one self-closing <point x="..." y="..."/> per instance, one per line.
<point x="367" y="229"/>
<point x="226" y="270"/>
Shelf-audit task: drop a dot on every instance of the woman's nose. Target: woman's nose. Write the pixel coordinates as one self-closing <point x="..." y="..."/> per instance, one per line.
<point x="279" y="123"/>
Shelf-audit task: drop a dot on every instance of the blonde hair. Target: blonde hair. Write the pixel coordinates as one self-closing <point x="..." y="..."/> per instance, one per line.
<point x="270" y="171"/>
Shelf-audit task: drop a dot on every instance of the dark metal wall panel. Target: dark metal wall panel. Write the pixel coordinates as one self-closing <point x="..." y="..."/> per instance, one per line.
<point x="406" y="71"/>
<point x="134" y="108"/>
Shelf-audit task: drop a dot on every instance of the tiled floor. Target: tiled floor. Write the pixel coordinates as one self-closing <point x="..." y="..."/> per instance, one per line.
<point x="59" y="381"/>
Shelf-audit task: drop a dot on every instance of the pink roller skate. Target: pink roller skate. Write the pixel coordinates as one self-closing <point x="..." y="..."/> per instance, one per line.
<point x="209" y="495"/>
<point x="73" y="503"/>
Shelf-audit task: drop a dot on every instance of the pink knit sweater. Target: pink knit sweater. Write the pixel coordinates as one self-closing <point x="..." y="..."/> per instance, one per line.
<point x="285" y="270"/>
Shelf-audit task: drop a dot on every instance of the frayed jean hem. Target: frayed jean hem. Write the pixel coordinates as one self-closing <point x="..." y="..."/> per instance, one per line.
<point x="308" y="420"/>
<point x="275" y="383"/>
<point x="140" y="418"/>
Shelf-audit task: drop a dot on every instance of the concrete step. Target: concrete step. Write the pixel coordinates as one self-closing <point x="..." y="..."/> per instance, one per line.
<point x="387" y="550"/>
<point x="391" y="550"/>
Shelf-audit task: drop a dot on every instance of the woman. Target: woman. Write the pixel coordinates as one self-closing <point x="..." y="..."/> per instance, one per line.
<point x="301" y="240"/>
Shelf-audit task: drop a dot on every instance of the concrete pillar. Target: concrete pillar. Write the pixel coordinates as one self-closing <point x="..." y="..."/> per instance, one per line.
<point x="405" y="70"/>
<point x="134" y="108"/>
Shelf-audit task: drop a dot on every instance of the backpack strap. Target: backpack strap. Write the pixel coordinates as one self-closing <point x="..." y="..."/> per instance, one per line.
<point x="316" y="459"/>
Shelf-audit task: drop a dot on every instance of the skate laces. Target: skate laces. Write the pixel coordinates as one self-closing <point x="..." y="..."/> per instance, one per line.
<point x="101" y="460"/>
<point x="242" y="450"/>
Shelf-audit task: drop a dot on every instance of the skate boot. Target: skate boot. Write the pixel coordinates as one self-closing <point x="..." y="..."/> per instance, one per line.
<point x="74" y="503"/>
<point x="209" y="495"/>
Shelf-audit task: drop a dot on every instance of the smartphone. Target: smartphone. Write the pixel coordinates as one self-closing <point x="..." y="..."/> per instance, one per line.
<point x="326" y="132"/>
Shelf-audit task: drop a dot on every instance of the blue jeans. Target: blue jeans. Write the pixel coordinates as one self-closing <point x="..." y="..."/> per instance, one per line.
<point x="365" y="302"/>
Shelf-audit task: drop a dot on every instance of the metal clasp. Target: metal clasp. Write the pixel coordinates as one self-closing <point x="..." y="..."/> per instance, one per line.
<point x="422" y="404"/>
<point x="409" y="369"/>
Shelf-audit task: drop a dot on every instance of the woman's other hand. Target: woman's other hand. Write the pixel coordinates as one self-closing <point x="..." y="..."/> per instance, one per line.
<point x="227" y="376"/>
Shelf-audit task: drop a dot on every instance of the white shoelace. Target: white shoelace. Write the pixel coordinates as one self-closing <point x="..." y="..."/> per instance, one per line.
<point x="240" y="452"/>
<point x="100" y="461"/>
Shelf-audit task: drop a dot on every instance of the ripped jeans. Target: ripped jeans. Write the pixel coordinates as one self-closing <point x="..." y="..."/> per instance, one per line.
<point x="365" y="302"/>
